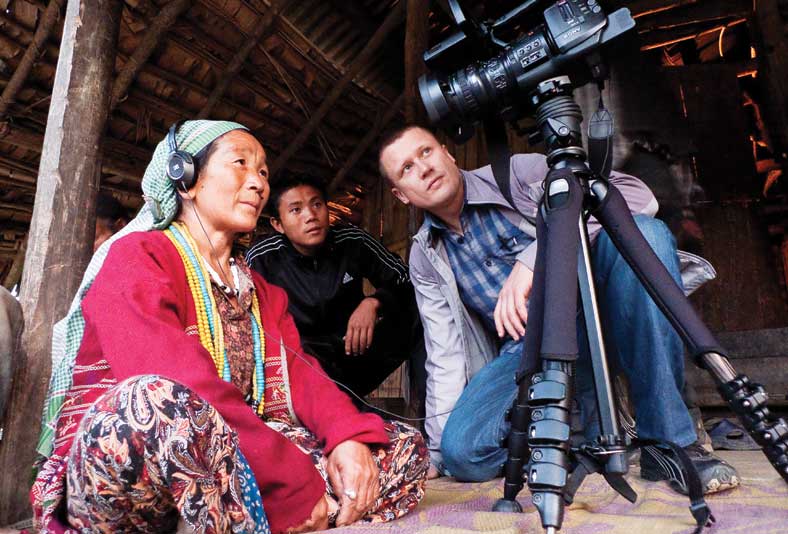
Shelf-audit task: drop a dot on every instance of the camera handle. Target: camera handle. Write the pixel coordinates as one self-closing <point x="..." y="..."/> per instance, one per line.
<point x="540" y="416"/>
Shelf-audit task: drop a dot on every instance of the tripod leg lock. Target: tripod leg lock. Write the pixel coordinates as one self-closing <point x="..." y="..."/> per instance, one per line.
<point x="549" y="388"/>
<point x="546" y="432"/>
<point x="748" y="401"/>
<point x="548" y="470"/>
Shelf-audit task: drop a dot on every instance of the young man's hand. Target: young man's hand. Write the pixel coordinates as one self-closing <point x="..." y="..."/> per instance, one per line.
<point x="511" y="311"/>
<point x="361" y="326"/>
<point x="354" y="476"/>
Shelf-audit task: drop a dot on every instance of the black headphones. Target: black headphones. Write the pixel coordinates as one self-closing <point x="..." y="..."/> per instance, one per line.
<point x="181" y="167"/>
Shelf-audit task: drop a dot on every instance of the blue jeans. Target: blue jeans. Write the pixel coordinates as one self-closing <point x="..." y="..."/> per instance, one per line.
<point x="640" y="341"/>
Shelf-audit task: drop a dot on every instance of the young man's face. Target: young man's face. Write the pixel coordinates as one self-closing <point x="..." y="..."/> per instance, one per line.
<point x="104" y="230"/>
<point x="302" y="215"/>
<point x="421" y="170"/>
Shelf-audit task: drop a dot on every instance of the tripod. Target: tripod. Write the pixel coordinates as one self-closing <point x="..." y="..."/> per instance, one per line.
<point x="540" y="415"/>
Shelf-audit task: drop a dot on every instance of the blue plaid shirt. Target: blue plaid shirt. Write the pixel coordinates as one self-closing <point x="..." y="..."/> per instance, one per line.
<point x="483" y="256"/>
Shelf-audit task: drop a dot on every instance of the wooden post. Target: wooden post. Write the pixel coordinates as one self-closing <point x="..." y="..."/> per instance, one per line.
<point x="61" y="232"/>
<point x="416" y="41"/>
<point x="393" y="20"/>
<point x="34" y="50"/>
<point x="784" y="250"/>
<point x="772" y="24"/>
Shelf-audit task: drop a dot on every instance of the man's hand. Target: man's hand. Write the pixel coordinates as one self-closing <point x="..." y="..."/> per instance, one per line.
<point x="361" y="326"/>
<point x="354" y="476"/>
<point x="511" y="312"/>
<point x="317" y="521"/>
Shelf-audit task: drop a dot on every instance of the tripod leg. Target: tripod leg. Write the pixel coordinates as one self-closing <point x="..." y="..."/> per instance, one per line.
<point x="616" y="461"/>
<point x="746" y="399"/>
<point x="520" y="415"/>
<point x="550" y="393"/>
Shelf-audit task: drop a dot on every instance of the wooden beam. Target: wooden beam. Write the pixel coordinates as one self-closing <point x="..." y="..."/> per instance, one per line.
<point x="325" y="146"/>
<point x="22" y="172"/>
<point x="60" y="239"/>
<point x="286" y="30"/>
<point x="121" y="157"/>
<point x="263" y="28"/>
<point x="166" y="76"/>
<point x="270" y="89"/>
<point x="660" y="38"/>
<point x="14" y="273"/>
<point x="393" y="19"/>
<point x="644" y="8"/>
<point x="16" y="207"/>
<point x="720" y="10"/>
<point x="49" y="47"/>
<point x="176" y="80"/>
<point x="34" y="50"/>
<point x="257" y="87"/>
<point x="158" y="28"/>
<point x="21" y="176"/>
<point x="365" y="143"/>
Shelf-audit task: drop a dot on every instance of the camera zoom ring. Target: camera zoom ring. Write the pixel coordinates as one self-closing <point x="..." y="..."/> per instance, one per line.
<point x="469" y="99"/>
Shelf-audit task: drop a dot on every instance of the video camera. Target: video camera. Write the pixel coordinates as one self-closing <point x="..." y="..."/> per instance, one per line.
<point x="567" y="32"/>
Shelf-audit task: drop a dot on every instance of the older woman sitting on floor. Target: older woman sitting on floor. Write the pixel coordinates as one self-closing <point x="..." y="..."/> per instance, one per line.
<point x="180" y="392"/>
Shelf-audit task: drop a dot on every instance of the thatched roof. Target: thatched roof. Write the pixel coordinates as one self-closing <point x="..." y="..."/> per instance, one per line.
<point x="266" y="63"/>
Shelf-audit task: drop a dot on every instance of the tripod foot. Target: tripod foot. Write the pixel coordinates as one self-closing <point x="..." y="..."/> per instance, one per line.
<point x="550" y="530"/>
<point x="505" y="505"/>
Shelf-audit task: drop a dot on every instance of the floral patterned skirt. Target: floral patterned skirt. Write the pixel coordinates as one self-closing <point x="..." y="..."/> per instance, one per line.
<point x="150" y="452"/>
<point x="403" y="465"/>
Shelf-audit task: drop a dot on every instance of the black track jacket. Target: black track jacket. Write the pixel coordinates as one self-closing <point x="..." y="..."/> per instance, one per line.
<point x="324" y="290"/>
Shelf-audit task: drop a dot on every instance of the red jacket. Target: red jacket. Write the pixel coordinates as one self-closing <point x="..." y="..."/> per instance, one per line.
<point x="137" y="315"/>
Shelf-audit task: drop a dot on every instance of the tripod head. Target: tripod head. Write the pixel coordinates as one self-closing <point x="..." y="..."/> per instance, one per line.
<point x="558" y="118"/>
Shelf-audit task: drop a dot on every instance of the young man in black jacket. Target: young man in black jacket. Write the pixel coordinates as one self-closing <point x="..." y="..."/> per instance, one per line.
<point x="359" y="339"/>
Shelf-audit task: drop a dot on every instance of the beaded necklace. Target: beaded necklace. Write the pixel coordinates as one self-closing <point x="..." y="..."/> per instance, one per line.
<point x="209" y="323"/>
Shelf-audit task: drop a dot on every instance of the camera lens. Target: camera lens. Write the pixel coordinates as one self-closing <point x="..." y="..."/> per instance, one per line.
<point x="433" y="99"/>
<point x="483" y="87"/>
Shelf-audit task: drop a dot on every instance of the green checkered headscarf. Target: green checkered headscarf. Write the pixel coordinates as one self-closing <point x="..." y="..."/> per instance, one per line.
<point x="160" y="208"/>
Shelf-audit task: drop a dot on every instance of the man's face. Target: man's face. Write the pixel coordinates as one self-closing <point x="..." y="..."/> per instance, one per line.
<point x="421" y="170"/>
<point x="303" y="218"/>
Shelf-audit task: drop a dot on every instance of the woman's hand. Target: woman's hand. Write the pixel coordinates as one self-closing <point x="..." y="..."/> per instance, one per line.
<point x="354" y="476"/>
<point x="317" y="521"/>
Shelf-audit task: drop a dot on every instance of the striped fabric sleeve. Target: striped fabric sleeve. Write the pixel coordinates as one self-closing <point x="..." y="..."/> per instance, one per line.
<point x="385" y="270"/>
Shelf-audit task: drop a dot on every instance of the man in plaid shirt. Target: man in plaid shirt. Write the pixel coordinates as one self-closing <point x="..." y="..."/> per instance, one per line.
<point x="472" y="267"/>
